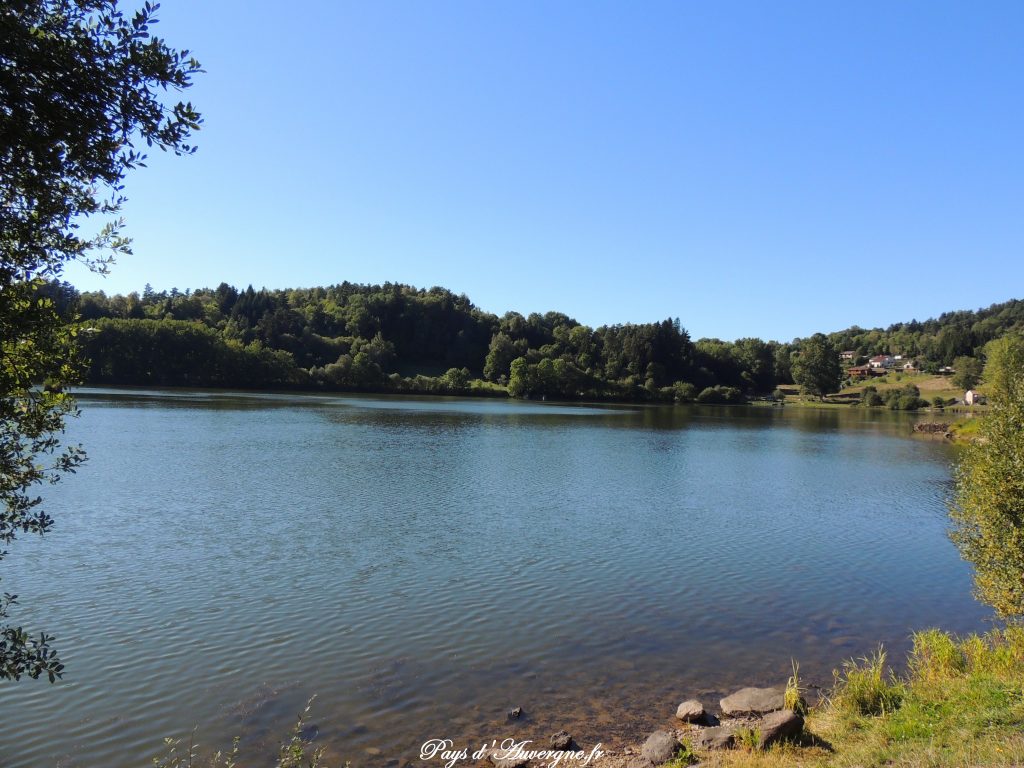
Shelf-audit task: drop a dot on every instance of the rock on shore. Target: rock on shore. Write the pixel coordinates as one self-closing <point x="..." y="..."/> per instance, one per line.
<point x="660" y="747"/>
<point x="691" y="711"/>
<point x="779" y="726"/>
<point x="753" y="701"/>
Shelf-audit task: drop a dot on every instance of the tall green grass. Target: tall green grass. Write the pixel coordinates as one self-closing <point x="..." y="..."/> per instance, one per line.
<point x="866" y="686"/>
<point x="794" y="696"/>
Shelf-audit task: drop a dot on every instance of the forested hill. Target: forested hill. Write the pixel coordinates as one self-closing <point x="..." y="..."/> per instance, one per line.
<point x="940" y="340"/>
<point x="399" y="338"/>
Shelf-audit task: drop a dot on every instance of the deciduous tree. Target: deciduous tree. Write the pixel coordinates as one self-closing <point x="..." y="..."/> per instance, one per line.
<point x="967" y="372"/>
<point x="988" y="508"/>
<point x="816" y="366"/>
<point x="81" y="94"/>
<point x="499" y="357"/>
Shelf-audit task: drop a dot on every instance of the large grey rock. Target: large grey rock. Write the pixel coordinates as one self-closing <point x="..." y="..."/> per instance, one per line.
<point x="714" y="738"/>
<point x="779" y="726"/>
<point x="660" y="747"/>
<point x="691" y="711"/>
<point x="753" y="701"/>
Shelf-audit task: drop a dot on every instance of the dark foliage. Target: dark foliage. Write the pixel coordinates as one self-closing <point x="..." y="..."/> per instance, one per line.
<point x="395" y="337"/>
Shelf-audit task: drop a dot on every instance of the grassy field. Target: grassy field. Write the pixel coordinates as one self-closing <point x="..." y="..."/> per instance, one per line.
<point x="930" y="386"/>
<point x="961" y="704"/>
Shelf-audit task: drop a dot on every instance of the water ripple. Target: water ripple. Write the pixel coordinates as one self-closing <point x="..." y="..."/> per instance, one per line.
<point x="423" y="565"/>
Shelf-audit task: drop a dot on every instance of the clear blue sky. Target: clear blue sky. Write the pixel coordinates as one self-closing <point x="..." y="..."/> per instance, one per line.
<point x="754" y="168"/>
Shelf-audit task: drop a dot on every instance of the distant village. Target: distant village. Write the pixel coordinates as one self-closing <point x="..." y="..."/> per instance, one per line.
<point x="881" y="365"/>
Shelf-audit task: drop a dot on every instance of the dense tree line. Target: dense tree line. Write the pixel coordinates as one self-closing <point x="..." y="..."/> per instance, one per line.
<point x="396" y="337"/>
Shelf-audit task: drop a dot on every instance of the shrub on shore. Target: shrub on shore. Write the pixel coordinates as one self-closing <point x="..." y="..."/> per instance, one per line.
<point x="719" y="395"/>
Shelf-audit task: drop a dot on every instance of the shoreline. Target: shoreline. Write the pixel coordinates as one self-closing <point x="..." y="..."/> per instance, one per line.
<point x="495" y="395"/>
<point x="957" y="704"/>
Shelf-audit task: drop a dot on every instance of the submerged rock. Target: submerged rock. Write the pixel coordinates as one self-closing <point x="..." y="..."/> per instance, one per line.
<point x="515" y="713"/>
<point x="753" y="701"/>
<point x="660" y="747"/>
<point x="779" y="726"/>
<point x="561" y="741"/>
<point x="691" y="711"/>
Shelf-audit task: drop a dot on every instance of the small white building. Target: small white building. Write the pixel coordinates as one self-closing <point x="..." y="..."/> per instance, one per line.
<point x="880" y="361"/>
<point x="973" y="397"/>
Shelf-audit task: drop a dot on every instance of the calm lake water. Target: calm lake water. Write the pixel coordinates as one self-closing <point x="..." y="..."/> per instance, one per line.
<point x="424" y="565"/>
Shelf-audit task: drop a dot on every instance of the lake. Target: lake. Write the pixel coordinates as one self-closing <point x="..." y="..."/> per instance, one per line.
<point x="423" y="565"/>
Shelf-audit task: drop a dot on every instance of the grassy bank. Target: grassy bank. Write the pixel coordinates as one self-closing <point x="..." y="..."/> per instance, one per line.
<point x="960" y="704"/>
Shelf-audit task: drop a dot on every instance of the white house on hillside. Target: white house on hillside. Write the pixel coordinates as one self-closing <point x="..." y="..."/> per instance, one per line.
<point x="973" y="397"/>
<point x="881" y="361"/>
